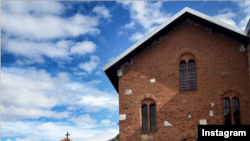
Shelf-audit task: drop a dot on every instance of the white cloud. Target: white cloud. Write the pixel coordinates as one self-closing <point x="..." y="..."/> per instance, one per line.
<point x="226" y="16"/>
<point x="105" y="122"/>
<point x="122" y="33"/>
<point x="99" y="72"/>
<point x="109" y="116"/>
<point x="34" y="32"/>
<point x="21" y="7"/>
<point x="13" y="112"/>
<point x="144" y="13"/>
<point x="91" y="65"/>
<point x="139" y="35"/>
<point x="85" y="121"/>
<point x="71" y="108"/>
<point x="83" y="48"/>
<point x="130" y="25"/>
<point x="97" y="101"/>
<point x="18" y="96"/>
<point x="94" y="82"/>
<point x="35" y="92"/>
<point x="136" y="36"/>
<point x="103" y="11"/>
<point x="81" y="73"/>
<point x="37" y="131"/>
<point x="34" y="52"/>
<point x="245" y="8"/>
<point x="42" y="22"/>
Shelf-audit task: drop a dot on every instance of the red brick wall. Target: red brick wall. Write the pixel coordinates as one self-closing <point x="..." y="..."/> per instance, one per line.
<point x="221" y="70"/>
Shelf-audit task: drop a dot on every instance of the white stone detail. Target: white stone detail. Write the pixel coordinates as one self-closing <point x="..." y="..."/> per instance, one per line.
<point x="211" y="113"/>
<point x="144" y="137"/>
<point x="166" y="123"/>
<point x="242" y="48"/>
<point x="152" y="80"/>
<point x="119" y="72"/>
<point x="189" y="116"/>
<point x="212" y="104"/>
<point x="128" y="91"/>
<point x="203" y="122"/>
<point x="122" y="117"/>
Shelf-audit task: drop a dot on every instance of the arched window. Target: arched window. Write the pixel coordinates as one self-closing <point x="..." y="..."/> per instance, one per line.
<point x="144" y="118"/>
<point x="235" y="116"/>
<point x="227" y="111"/>
<point x="236" y="111"/>
<point x="152" y="117"/>
<point x="183" y="76"/>
<point x="148" y="115"/>
<point x="191" y="75"/>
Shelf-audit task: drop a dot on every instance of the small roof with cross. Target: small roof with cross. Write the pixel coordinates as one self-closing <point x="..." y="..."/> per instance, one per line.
<point x="67" y="135"/>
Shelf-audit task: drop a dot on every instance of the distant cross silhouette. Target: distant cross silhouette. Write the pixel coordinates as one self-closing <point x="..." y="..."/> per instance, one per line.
<point x="67" y="134"/>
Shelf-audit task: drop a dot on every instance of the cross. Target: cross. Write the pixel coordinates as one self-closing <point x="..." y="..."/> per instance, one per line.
<point x="67" y="134"/>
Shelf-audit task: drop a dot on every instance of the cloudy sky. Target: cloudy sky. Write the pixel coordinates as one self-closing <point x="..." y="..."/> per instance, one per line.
<point x="52" y="54"/>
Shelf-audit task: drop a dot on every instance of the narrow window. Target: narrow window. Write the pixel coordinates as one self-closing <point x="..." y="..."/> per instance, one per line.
<point x="152" y="118"/>
<point x="191" y="75"/>
<point x="227" y="112"/>
<point x="183" y="76"/>
<point x="144" y="118"/>
<point x="236" y="111"/>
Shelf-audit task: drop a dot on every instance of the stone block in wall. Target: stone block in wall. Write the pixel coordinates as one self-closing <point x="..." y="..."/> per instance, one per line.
<point x="166" y="123"/>
<point x="203" y="122"/>
<point x="122" y="117"/>
<point x="128" y="91"/>
<point x="119" y="72"/>
<point x="211" y="113"/>
<point x="152" y="80"/>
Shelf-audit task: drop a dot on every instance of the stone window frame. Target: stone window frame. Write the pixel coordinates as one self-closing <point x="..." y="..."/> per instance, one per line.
<point x="230" y="98"/>
<point x="148" y="102"/>
<point x="187" y="57"/>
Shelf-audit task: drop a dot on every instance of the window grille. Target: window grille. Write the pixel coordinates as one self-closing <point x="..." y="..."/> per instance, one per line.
<point x="191" y="75"/>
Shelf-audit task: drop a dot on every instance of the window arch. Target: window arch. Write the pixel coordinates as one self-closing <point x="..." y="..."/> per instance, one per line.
<point x="191" y="71"/>
<point x="236" y="111"/>
<point x="148" y="115"/>
<point x="227" y="111"/>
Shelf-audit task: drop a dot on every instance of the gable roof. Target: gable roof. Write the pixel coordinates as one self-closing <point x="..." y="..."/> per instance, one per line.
<point x="236" y="33"/>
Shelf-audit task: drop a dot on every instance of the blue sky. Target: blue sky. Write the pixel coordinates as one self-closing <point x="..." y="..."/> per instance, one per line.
<point x="52" y="54"/>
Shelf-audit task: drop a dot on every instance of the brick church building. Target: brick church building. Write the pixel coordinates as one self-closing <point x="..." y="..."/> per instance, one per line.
<point x="192" y="70"/>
